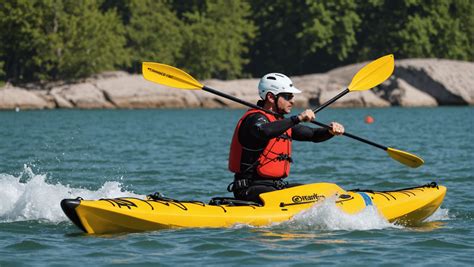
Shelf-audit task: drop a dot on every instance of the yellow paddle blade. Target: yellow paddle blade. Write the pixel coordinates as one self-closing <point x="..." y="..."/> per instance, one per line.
<point x="169" y="76"/>
<point x="373" y="74"/>
<point x="405" y="157"/>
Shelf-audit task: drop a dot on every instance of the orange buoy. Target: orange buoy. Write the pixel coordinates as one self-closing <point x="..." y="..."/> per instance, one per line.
<point x="369" y="120"/>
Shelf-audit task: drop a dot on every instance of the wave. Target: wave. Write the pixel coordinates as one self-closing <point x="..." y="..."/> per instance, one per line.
<point x="35" y="199"/>
<point x="327" y="216"/>
<point x="440" y="215"/>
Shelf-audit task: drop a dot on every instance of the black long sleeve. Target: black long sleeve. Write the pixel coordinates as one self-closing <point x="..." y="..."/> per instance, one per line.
<point x="264" y="129"/>
<point x="258" y="127"/>
<point x="305" y="133"/>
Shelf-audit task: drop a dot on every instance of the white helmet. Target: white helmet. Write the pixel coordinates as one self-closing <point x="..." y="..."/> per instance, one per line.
<point x="276" y="83"/>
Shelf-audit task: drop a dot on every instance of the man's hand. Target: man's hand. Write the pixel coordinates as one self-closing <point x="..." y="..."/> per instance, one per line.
<point x="307" y="115"/>
<point x="336" y="128"/>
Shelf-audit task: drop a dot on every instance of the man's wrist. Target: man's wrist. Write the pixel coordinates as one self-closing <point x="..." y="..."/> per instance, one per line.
<point x="295" y="119"/>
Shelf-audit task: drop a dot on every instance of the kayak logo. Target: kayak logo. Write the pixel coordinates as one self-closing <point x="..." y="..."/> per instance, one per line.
<point x="161" y="73"/>
<point x="306" y="198"/>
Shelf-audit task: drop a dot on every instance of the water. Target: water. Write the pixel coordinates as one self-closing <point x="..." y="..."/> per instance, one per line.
<point x="46" y="156"/>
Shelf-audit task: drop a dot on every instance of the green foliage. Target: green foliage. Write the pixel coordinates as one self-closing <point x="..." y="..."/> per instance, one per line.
<point x="303" y="36"/>
<point x="92" y="41"/>
<point x="153" y="33"/>
<point x="215" y="39"/>
<point x="2" y="73"/>
<point x="44" y="40"/>
<point x="23" y="25"/>
<point x="53" y="39"/>
<point x="416" y="28"/>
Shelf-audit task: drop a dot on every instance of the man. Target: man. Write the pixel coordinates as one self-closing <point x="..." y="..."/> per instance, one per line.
<point x="260" y="153"/>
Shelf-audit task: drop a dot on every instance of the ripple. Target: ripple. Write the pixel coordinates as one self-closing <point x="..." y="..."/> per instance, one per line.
<point x="183" y="154"/>
<point x="436" y="243"/>
<point x="27" y="245"/>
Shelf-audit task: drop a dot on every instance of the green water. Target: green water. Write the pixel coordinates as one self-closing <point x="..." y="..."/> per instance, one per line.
<point x="46" y="156"/>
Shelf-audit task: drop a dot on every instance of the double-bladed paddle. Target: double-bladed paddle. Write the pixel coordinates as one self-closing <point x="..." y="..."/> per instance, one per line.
<point x="370" y="76"/>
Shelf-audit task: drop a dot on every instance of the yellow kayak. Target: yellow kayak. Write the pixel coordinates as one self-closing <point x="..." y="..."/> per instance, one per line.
<point x="406" y="206"/>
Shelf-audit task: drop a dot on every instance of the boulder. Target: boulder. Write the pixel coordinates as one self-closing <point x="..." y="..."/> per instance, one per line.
<point x="44" y="94"/>
<point x="133" y="91"/>
<point x="245" y="89"/>
<point x="311" y="86"/>
<point x="82" y="96"/>
<point x="13" y="97"/>
<point x="339" y="79"/>
<point x="450" y="82"/>
<point x="415" y="82"/>
<point x="400" y="93"/>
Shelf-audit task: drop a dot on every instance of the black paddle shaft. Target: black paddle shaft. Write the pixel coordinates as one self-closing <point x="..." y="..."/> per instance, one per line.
<point x="353" y="136"/>
<point x="248" y="104"/>
<point x="341" y="94"/>
<point x="238" y="100"/>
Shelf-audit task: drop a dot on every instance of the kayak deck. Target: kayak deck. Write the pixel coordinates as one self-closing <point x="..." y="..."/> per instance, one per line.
<point x="404" y="206"/>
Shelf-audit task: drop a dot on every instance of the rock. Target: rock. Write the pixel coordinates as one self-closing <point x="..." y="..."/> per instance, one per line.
<point x="245" y="89"/>
<point x="400" y="93"/>
<point x="450" y="82"/>
<point x="415" y="82"/>
<point x="312" y="86"/>
<point x="339" y="79"/>
<point x="60" y="101"/>
<point x="133" y="91"/>
<point x="82" y="95"/>
<point x="13" y="97"/>
<point x="44" y="94"/>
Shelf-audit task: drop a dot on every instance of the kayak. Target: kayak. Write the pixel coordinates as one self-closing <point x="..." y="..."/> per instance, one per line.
<point x="407" y="206"/>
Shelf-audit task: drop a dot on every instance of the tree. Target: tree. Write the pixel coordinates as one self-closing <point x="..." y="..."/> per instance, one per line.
<point x="26" y="27"/>
<point x="216" y="38"/>
<point x="302" y="36"/>
<point x="91" y="41"/>
<point x="153" y="33"/>
<point x="54" y="39"/>
<point x="416" y="28"/>
<point x="2" y="73"/>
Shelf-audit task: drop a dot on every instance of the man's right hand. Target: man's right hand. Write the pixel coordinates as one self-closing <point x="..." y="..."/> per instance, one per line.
<point x="307" y="115"/>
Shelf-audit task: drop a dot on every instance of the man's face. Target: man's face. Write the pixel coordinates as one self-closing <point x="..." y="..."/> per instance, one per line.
<point x="285" y="102"/>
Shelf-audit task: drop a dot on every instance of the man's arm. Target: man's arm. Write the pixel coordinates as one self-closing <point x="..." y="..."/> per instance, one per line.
<point x="305" y="133"/>
<point x="263" y="129"/>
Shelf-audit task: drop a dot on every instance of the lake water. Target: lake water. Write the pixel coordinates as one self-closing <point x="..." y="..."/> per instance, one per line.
<point x="46" y="156"/>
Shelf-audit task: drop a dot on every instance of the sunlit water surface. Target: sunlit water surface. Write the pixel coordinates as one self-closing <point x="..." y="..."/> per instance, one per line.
<point x="46" y="156"/>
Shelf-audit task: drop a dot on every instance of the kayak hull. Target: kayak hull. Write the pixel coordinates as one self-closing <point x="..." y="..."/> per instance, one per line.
<point x="405" y="206"/>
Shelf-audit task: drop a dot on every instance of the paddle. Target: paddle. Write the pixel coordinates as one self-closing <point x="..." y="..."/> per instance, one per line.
<point x="173" y="77"/>
<point x="371" y="75"/>
<point x="398" y="155"/>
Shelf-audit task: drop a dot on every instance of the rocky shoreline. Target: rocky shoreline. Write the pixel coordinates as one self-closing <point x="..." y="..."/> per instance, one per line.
<point x="414" y="83"/>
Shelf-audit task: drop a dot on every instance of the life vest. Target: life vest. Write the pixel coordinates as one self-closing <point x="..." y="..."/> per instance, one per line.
<point x="274" y="160"/>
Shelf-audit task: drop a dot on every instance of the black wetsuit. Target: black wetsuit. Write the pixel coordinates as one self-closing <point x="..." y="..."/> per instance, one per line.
<point x="254" y="133"/>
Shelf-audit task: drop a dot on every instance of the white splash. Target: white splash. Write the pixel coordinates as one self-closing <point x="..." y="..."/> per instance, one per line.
<point x="36" y="199"/>
<point x="439" y="215"/>
<point x="327" y="216"/>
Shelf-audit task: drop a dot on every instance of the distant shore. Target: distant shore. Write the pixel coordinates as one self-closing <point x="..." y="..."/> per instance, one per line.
<point x="414" y="83"/>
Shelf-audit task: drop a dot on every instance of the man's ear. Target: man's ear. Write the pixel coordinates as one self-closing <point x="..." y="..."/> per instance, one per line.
<point x="271" y="97"/>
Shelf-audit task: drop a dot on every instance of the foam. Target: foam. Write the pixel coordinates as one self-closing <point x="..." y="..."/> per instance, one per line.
<point x="439" y="215"/>
<point x="30" y="197"/>
<point x="327" y="216"/>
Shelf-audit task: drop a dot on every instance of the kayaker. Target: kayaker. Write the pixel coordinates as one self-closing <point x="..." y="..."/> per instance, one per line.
<point x="260" y="153"/>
